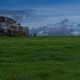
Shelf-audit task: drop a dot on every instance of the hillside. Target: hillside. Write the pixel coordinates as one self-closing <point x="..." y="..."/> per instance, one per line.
<point x="40" y="58"/>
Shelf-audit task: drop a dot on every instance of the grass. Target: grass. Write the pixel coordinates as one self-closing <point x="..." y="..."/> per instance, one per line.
<point x="40" y="58"/>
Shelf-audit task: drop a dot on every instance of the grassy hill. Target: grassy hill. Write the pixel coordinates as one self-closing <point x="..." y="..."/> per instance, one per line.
<point x="40" y="58"/>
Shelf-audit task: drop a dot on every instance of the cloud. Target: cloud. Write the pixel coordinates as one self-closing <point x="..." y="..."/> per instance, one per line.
<point x="53" y="14"/>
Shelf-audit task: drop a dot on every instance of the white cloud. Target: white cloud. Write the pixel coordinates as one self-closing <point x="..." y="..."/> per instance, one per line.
<point x="54" y="14"/>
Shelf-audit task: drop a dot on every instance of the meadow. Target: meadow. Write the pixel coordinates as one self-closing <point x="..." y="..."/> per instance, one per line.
<point x="40" y="58"/>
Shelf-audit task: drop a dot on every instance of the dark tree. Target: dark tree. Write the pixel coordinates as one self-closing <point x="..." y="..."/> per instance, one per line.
<point x="35" y="34"/>
<point x="9" y="32"/>
<point x="2" y="19"/>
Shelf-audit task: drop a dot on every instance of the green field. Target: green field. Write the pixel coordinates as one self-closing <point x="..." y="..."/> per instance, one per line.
<point x="40" y="58"/>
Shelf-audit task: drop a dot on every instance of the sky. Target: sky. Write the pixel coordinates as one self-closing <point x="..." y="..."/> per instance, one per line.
<point x="21" y="3"/>
<point x="47" y="11"/>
